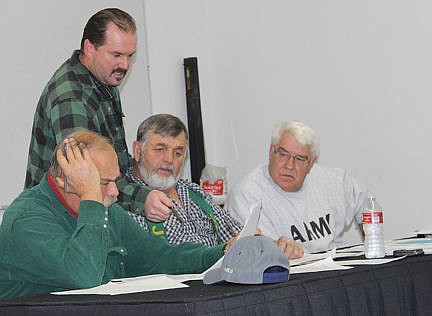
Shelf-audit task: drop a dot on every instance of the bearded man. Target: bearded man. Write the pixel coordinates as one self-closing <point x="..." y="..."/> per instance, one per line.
<point x="159" y="156"/>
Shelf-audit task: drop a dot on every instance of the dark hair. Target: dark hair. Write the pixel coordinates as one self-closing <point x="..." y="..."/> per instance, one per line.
<point x="162" y="124"/>
<point x="96" y="26"/>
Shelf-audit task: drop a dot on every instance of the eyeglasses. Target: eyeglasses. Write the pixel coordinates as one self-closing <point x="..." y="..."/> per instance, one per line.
<point x="285" y="156"/>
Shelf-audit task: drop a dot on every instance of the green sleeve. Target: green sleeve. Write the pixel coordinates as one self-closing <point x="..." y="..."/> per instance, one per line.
<point x="49" y="254"/>
<point x="149" y="254"/>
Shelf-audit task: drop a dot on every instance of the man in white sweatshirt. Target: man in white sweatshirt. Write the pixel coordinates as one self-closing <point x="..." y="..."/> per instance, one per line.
<point x="300" y="198"/>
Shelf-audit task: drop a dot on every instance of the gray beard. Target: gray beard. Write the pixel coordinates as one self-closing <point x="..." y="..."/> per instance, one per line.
<point x="153" y="180"/>
<point x="109" y="200"/>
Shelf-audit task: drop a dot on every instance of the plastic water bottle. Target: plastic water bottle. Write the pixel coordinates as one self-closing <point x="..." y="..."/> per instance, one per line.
<point x="372" y="220"/>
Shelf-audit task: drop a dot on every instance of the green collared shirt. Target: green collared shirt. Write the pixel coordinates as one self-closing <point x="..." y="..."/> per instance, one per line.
<point x="74" y="99"/>
<point x="45" y="248"/>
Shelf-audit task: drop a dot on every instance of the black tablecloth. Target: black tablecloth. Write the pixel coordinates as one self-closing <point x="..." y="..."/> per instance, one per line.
<point x="403" y="287"/>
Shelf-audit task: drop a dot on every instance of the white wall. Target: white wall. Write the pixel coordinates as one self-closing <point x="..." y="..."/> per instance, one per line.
<point x="359" y="72"/>
<point x="37" y="36"/>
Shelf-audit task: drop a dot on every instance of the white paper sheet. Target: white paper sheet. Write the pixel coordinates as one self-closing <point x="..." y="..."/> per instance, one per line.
<point x="408" y="244"/>
<point x="130" y="285"/>
<point x="368" y="261"/>
<point x="326" y="264"/>
<point x="312" y="257"/>
<point x="251" y="225"/>
<point x="423" y="231"/>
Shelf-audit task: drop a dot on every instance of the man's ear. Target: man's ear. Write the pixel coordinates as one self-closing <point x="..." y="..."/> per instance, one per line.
<point x="60" y="181"/>
<point x="89" y="48"/>
<point x="311" y="164"/>
<point x="137" y="149"/>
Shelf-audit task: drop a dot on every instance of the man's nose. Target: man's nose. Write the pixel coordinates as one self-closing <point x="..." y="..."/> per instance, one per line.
<point x="125" y="62"/>
<point x="290" y="163"/>
<point x="168" y="156"/>
<point x="112" y="189"/>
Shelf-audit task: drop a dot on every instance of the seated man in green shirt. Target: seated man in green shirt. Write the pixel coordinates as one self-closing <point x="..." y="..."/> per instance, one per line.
<point x="67" y="232"/>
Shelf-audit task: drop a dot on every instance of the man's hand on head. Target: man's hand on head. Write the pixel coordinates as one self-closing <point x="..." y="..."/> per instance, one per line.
<point x="157" y="206"/>
<point x="292" y="249"/>
<point x="82" y="175"/>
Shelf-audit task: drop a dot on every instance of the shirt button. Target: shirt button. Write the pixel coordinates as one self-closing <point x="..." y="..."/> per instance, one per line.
<point x="105" y="226"/>
<point x="106" y="219"/>
<point x="122" y="250"/>
<point x="116" y="129"/>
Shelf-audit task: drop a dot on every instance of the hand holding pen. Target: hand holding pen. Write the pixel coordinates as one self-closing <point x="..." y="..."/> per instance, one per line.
<point x="157" y="207"/>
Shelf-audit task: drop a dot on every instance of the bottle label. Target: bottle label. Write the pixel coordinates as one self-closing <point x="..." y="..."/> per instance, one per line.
<point x="372" y="218"/>
<point x="215" y="188"/>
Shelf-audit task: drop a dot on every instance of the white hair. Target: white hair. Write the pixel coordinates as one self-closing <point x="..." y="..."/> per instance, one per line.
<point x="302" y="133"/>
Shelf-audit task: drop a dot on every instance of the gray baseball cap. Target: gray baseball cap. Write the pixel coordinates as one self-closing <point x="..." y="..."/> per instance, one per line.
<point x="251" y="260"/>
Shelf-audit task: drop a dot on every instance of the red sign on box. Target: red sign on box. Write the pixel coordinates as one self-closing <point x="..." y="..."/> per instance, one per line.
<point x="215" y="188"/>
<point x="372" y="218"/>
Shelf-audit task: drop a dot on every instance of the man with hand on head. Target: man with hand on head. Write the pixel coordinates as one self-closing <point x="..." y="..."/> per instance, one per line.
<point x="67" y="232"/>
<point x="300" y="198"/>
<point x="160" y="153"/>
<point x="83" y="93"/>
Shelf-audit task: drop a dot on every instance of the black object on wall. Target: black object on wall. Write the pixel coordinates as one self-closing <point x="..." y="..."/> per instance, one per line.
<point x="195" y="126"/>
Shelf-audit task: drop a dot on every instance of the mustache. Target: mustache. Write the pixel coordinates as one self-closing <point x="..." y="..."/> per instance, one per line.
<point x="166" y="167"/>
<point x="119" y="70"/>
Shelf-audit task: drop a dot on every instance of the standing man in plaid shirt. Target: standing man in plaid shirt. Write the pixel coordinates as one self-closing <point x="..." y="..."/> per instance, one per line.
<point x="83" y="93"/>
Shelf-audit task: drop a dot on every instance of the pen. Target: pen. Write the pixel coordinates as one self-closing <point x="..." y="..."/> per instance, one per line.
<point x="177" y="215"/>
<point x="229" y="226"/>
<point x="64" y="178"/>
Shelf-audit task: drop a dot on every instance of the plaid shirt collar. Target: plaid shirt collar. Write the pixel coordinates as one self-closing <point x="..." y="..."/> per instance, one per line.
<point x="130" y="176"/>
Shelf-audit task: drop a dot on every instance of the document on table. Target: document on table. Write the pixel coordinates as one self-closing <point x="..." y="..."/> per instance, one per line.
<point x="251" y="225"/>
<point x="315" y="262"/>
<point x="324" y="261"/>
<point x="423" y="243"/>
<point x="326" y="264"/>
<point x="353" y="251"/>
<point x="423" y="231"/>
<point x="130" y="285"/>
<point x="408" y="244"/>
<point x="312" y="257"/>
<point x="355" y="262"/>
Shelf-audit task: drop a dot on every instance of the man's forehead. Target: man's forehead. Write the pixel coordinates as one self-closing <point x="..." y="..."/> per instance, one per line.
<point x="119" y="41"/>
<point x="105" y="160"/>
<point x="172" y="141"/>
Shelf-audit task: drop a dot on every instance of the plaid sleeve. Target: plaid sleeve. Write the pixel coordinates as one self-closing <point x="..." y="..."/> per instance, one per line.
<point x="132" y="196"/>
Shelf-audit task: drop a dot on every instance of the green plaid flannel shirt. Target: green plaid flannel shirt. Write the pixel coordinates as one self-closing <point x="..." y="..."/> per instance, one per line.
<point x="73" y="99"/>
